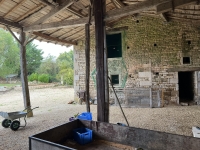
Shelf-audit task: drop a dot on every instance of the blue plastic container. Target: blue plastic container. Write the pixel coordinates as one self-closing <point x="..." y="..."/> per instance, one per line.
<point x="82" y="135"/>
<point x="85" y="116"/>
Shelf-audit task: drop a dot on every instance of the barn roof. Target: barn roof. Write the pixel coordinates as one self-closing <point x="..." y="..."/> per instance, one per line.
<point x="62" y="21"/>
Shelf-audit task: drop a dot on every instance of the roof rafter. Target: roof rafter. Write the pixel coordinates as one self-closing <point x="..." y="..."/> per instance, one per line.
<point x="170" y="5"/>
<point x="54" y="11"/>
<point x="14" y="8"/>
<point x="68" y="31"/>
<point x="10" y="24"/>
<point x="118" y="3"/>
<point x="132" y="9"/>
<point x="46" y="3"/>
<point x="33" y="15"/>
<point x="29" y="12"/>
<point x="47" y="37"/>
<point x="74" y="33"/>
<point x="1" y="2"/>
<point x="111" y="15"/>
<point x="56" y="25"/>
<point x="81" y="5"/>
<point x="77" y="13"/>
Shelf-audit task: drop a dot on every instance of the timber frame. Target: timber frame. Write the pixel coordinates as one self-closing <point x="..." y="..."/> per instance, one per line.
<point x="65" y="22"/>
<point x="62" y="22"/>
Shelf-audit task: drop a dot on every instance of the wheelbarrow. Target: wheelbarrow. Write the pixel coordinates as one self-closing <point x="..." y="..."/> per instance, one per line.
<point x="10" y="117"/>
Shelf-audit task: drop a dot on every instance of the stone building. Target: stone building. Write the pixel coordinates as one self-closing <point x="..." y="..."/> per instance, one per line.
<point x="150" y="62"/>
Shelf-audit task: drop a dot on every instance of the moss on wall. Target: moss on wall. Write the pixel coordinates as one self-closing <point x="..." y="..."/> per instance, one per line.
<point x="150" y="45"/>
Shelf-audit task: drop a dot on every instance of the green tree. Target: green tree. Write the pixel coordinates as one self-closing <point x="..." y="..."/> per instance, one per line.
<point x="9" y="54"/>
<point x="33" y="57"/>
<point x="65" y="67"/>
<point x="65" y="60"/>
<point x="49" y="66"/>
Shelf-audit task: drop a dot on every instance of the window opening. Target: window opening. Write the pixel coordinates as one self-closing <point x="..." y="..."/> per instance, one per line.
<point x="114" y="45"/>
<point x="115" y="79"/>
<point x="186" y="60"/>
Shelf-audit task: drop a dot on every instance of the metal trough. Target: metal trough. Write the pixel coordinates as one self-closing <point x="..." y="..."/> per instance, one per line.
<point x="60" y="138"/>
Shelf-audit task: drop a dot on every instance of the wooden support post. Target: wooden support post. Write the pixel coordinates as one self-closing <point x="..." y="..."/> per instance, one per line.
<point x="87" y="68"/>
<point x="99" y="7"/>
<point x="107" y="103"/>
<point x="24" y="80"/>
<point x="27" y="39"/>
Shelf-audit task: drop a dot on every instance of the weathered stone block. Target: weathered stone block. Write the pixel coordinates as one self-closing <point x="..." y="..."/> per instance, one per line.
<point x="173" y="80"/>
<point x="145" y="83"/>
<point x="76" y="77"/>
<point x="144" y="74"/>
<point x="174" y="93"/>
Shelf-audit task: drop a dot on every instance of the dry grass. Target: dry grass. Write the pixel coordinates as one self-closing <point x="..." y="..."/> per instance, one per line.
<point x="54" y="111"/>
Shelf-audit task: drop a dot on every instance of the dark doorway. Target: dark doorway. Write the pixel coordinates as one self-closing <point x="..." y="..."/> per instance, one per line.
<point x="186" y="86"/>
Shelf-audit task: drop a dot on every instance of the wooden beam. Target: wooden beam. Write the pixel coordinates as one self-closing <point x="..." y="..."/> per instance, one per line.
<point x="57" y="25"/>
<point x="107" y="97"/>
<point x="1" y="2"/>
<point x="169" y="5"/>
<point x="29" y="12"/>
<point x="81" y="6"/>
<point x="32" y="39"/>
<point x="54" y="11"/>
<point x="27" y="38"/>
<point x="132" y="9"/>
<point x="45" y="2"/>
<point x="24" y="80"/>
<point x="14" y="8"/>
<point x="117" y="29"/>
<point x="81" y="36"/>
<point x="75" y="12"/>
<point x="99" y="38"/>
<point x="164" y="7"/>
<point x="164" y="16"/>
<point x="118" y="3"/>
<point x="87" y="68"/>
<point x="71" y="35"/>
<point x="111" y="15"/>
<point x="10" y="24"/>
<point x="33" y="15"/>
<point x="13" y="35"/>
<point x="45" y="36"/>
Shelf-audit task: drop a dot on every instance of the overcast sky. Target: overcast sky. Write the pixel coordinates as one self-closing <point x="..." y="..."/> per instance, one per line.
<point x="52" y="49"/>
<point x="49" y="48"/>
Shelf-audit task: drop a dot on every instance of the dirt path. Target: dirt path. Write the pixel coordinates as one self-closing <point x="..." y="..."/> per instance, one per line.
<point x="54" y="111"/>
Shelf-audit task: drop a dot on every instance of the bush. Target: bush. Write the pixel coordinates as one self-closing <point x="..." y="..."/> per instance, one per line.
<point x="33" y="77"/>
<point x="68" y="76"/>
<point x="52" y="79"/>
<point x="44" y="78"/>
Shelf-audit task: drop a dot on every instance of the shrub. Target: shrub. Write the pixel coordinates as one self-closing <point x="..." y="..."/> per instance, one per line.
<point x="68" y="76"/>
<point x="33" y="77"/>
<point x="44" y="78"/>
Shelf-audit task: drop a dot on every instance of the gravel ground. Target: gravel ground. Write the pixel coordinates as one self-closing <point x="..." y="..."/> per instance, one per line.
<point x="55" y="110"/>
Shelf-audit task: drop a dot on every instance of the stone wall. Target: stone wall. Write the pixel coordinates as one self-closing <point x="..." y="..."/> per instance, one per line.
<point x="151" y="48"/>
